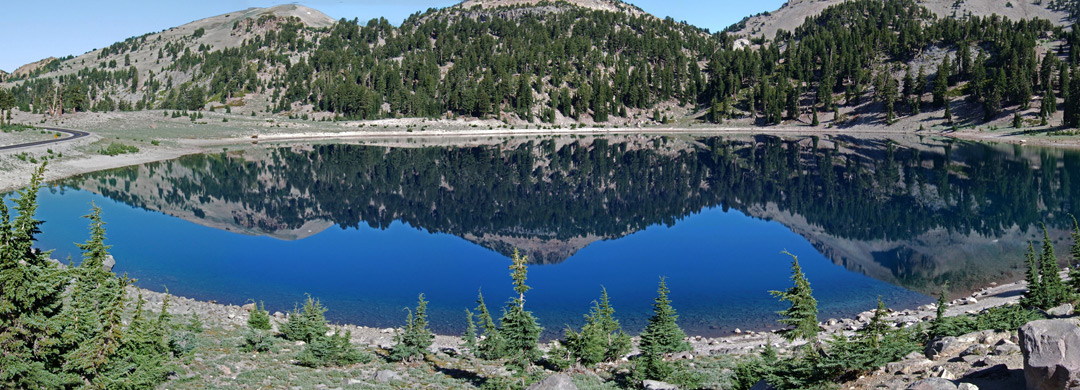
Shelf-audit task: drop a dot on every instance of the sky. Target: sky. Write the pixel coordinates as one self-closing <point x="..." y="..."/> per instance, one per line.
<point x="31" y="30"/>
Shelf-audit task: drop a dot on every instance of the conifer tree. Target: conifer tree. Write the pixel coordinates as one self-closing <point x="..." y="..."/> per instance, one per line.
<point x="802" y="315"/>
<point x="941" y="83"/>
<point x="1050" y="276"/>
<point x="470" y="332"/>
<point x="662" y="334"/>
<point x="519" y="329"/>
<point x="491" y="345"/>
<point x="1035" y="296"/>
<point x="874" y="331"/>
<point x="938" y="324"/>
<point x="31" y="292"/>
<point x="1074" y="250"/>
<point x="414" y="340"/>
<point x="306" y="325"/>
<point x="601" y="338"/>
<point x="259" y="318"/>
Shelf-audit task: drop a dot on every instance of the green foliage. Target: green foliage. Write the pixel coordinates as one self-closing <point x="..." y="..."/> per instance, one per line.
<point x="938" y="324"/>
<point x="470" y="332"/>
<point x="306" y="325"/>
<point x="1074" y="251"/>
<point x="117" y="148"/>
<point x="802" y="315"/>
<point x="414" y="340"/>
<point x="601" y="338"/>
<point x="518" y="328"/>
<point x="259" y="318"/>
<point x="1001" y="318"/>
<point x="661" y="336"/>
<point x="1050" y="275"/>
<point x="333" y="350"/>
<point x="257" y="340"/>
<point x="491" y="345"/>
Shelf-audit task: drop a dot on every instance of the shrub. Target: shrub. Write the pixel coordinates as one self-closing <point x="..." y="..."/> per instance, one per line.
<point x="256" y="340"/>
<point x="335" y="350"/>
<point x="259" y="318"/>
<point x="414" y="340"/>
<point x="117" y="148"/>
<point x="306" y="325"/>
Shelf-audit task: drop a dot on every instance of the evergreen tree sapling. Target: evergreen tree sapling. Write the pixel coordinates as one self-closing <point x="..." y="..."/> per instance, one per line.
<point x="259" y="318"/>
<point x="490" y="345"/>
<point x="662" y="335"/>
<point x="306" y="325"/>
<point x="1074" y="250"/>
<point x="1050" y="274"/>
<point x="414" y="340"/>
<point x="1036" y="295"/>
<point x="601" y="338"/>
<point x="802" y="315"/>
<point x="519" y="329"/>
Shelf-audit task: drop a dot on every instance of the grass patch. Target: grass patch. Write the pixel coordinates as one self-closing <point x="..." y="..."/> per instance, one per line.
<point x="117" y="148"/>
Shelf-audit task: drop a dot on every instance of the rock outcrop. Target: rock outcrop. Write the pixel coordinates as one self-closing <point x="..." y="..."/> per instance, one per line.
<point x="554" y="382"/>
<point x="1051" y="354"/>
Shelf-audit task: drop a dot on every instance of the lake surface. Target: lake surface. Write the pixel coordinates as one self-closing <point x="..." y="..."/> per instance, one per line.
<point x="367" y="228"/>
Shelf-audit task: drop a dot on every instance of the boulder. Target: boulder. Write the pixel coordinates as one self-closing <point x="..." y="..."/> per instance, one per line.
<point x="1006" y="349"/>
<point x="977" y="349"/>
<point x="554" y="382"/>
<point x="932" y="384"/>
<point x="658" y="385"/>
<point x="1064" y="310"/>
<point x="384" y="376"/>
<point x="108" y="263"/>
<point x="909" y="366"/>
<point x="966" y="386"/>
<point x="946" y="346"/>
<point x="1051" y="354"/>
<point x="250" y="307"/>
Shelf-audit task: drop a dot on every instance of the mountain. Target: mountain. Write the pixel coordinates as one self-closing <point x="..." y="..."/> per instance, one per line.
<point x="596" y="62"/>
<point x="793" y="13"/>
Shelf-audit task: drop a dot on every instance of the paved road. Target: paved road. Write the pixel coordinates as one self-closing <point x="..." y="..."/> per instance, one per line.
<point x="75" y="134"/>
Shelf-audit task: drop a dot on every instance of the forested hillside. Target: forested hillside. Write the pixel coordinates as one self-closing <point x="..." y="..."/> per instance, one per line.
<point x="857" y="62"/>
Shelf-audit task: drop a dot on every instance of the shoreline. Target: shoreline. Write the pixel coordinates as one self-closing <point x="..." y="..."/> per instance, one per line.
<point x="737" y="343"/>
<point x="83" y="161"/>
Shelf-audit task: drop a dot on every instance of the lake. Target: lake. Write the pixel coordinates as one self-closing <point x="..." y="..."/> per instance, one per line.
<point x="366" y="228"/>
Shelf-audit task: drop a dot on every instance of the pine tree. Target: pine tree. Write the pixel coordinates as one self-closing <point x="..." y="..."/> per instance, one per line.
<point x="1036" y="295"/>
<point x="519" y="328"/>
<point x="1050" y="274"/>
<point x="491" y="345"/>
<point x="259" y="318"/>
<point x="874" y="331"/>
<point x="941" y="83"/>
<point x="802" y="315"/>
<point x="938" y="324"/>
<point x="470" y="332"/>
<point x="414" y="340"/>
<point x="661" y="336"/>
<point x="31" y="293"/>
<point x="601" y="338"/>
<point x="1074" y="250"/>
<point x="306" y="325"/>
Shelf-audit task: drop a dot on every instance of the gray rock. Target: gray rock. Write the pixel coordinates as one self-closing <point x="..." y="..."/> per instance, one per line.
<point x="966" y="386"/>
<point x="932" y="384"/>
<point x="977" y="349"/>
<point x="554" y="382"/>
<point x="384" y="376"/>
<point x="108" y="263"/>
<point x="1051" y="354"/>
<point x="658" y="385"/>
<point x="946" y="346"/>
<point x="909" y="366"/>
<point x="1061" y="311"/>
<point x="250" y="307"/>
<point x="1006" y="349"/>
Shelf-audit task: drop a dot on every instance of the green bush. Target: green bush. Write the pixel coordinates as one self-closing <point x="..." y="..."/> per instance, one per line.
<point x="414" y="340"/>
<point x="335" y="350"/>
<point x="259" y="318"/>
<point x="1001" y="318"/>
<point x="256" y="340"/>
<point x="117" y="148"/>
<point x="306" y="325"/>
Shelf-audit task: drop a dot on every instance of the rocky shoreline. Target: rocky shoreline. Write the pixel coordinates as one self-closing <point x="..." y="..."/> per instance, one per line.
<point x="740" y="342"/>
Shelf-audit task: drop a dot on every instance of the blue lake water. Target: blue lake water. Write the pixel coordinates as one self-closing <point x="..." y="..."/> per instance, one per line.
<point x="366" y="235"/>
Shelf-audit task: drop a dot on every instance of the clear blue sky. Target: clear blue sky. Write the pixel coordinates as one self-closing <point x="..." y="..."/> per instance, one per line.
<point x="31" y="30"/>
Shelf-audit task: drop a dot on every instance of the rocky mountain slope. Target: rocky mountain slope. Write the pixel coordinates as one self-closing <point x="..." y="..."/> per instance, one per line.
<point x="792" y="14"/>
